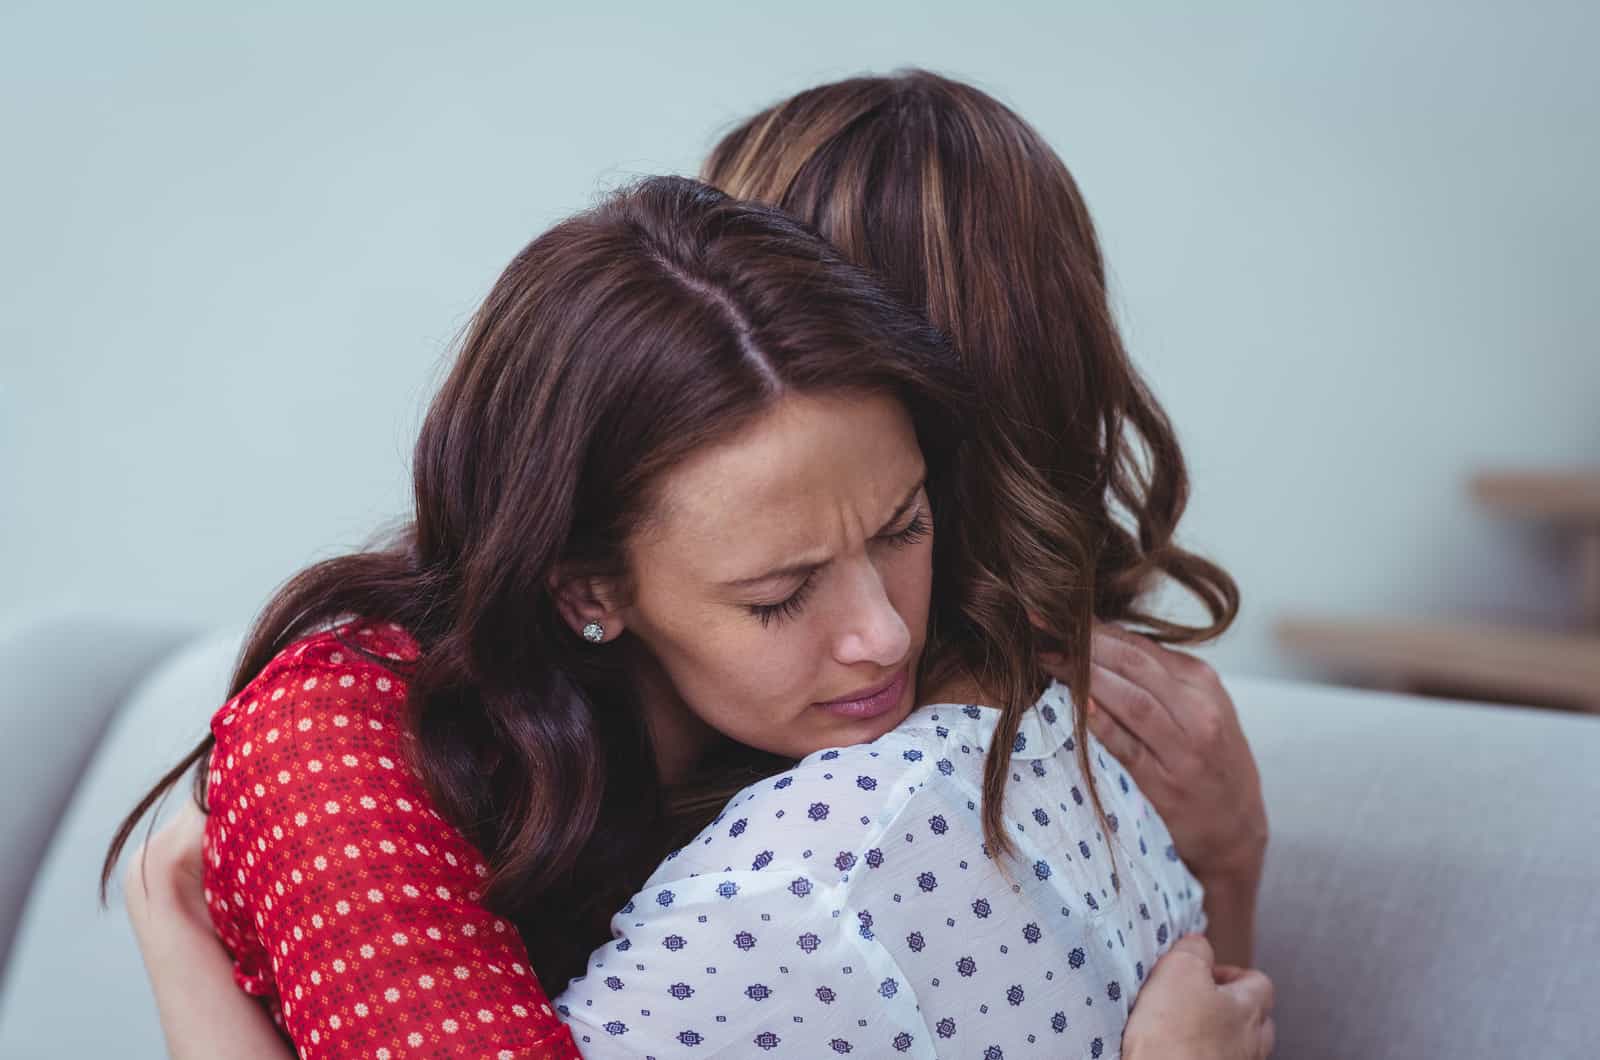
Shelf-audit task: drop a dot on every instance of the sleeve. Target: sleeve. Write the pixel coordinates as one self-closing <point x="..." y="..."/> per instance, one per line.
<point x="746" y="963"/>
<point x="345" y="899"/>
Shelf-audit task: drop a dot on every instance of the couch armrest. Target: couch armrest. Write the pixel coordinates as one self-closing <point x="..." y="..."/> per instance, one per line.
<point x="65" y="677"/>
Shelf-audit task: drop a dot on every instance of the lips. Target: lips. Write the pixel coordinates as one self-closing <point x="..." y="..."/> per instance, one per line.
<point x="870" y="702"/>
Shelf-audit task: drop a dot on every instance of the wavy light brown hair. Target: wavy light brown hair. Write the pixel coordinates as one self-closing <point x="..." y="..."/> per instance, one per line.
<point x="610" y="349"/>
<point x="1074" y="482"/>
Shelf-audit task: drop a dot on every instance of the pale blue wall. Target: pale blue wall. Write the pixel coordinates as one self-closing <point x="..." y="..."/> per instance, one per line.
<point x="1354" y="246"/>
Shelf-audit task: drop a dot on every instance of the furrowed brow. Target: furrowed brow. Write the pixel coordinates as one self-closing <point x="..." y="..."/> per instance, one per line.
<point x="797" y="570"/>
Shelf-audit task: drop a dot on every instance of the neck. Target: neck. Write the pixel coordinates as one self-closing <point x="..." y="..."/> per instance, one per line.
<point x="677" y="736"/>
<point x="957" y="686"/>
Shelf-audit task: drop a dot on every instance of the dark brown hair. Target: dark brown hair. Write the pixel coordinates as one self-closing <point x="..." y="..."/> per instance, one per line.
<point x="1074" y="480"/>
<point x="612" y="347"/>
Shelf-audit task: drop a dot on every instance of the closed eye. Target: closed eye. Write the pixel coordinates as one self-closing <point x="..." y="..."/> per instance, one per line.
<point x="917" y="529"/>
<point x="790" y="607"/>
<point x="786" y="608"/>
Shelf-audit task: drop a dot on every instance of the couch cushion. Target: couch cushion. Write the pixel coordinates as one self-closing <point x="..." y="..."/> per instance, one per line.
<point x="1431" y="878"/>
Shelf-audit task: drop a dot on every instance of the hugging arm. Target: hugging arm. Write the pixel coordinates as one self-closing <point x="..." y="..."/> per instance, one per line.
<point x="341" y="896"/>
<point x="1187" y="1010"/>
<point x="203" y="1012"/>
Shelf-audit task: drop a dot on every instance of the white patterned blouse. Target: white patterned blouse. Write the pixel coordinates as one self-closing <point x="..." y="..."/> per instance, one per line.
<point x="850" y="907"/>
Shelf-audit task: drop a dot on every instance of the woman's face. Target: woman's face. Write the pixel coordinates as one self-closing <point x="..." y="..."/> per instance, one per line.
<point x="782" y="584"/>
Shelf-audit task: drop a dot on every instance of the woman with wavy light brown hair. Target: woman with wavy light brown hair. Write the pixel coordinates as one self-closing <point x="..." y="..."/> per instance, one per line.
<point x="964" y="210"/>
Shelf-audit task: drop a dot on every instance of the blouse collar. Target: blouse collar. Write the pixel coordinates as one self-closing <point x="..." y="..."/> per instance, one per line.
<point x="1044" y="729"/>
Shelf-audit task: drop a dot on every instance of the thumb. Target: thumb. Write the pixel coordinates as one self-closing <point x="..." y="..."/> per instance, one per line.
<point x="1196" y="946"/>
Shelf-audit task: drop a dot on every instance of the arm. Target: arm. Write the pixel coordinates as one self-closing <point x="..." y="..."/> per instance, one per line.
<point x="1169" y="720"/>
<point x="203" y="1014"/>
<point x="1230" y="906"/>
<point x="203" y="1011"/>
<point x="342" y="895"/>
<point x="1183" y="1012"/>
<point x="1187" y="1010"/>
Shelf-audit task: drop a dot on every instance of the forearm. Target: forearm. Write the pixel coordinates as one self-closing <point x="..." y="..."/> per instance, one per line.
<point x="203" y="1013"/>
<point x="1230" y="905"/>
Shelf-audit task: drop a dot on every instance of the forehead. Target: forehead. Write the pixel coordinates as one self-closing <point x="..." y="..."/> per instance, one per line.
<point x="797" y="483"/>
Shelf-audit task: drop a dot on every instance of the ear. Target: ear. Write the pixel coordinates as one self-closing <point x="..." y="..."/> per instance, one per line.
<point x="582" y="600"/>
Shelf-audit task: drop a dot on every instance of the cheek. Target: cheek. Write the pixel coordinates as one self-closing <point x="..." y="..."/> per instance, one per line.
<point x="746" y="682"/>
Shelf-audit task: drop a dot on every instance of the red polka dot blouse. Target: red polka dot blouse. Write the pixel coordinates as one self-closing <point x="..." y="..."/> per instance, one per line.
<point x="349" y="905"/>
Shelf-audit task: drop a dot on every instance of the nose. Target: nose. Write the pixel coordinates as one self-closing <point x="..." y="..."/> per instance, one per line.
<point x="872" y="630"/>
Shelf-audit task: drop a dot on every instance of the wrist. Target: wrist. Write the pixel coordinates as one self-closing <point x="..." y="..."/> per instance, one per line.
<point x="1237" y="869"/>
<point x="1237" y="885"/>
<point x="1230" y="907"/>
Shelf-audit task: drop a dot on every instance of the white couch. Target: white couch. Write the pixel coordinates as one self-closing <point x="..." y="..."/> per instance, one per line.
<point x="1431" y="887"/>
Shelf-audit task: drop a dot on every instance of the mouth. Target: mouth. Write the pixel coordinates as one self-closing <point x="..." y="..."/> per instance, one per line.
<point x="870" y="702"/>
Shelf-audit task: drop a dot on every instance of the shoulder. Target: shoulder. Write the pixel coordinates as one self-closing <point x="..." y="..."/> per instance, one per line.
<point x="327" y="678"/>
<point x="821" y="816"/>
<point x="332" y="703"/>
<point x="310" y="770"/>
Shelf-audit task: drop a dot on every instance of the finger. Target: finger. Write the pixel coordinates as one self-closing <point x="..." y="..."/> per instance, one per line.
<point x="1253" y="990"/>
<point x="1179" y="666"/>
<point x="1139" y="711"/>
<point x="1196" y="945"/>
<point x="1187" y="667"/>
<point x="1130" y="661"/>
<point x="1123" y="745"/>
<point x="1188" y="962"/>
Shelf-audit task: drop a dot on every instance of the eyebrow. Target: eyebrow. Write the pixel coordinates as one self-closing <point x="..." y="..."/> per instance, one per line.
<point x="797" y="569"/>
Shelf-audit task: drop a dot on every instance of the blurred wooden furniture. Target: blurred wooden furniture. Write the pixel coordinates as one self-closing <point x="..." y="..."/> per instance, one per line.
<point x="1478" y="660"/>
<point x="1570" y="500"/>
<point x="1457" y="658"/>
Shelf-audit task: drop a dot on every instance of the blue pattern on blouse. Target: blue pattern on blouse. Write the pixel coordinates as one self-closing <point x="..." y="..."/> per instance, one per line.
<point x="851" y="907"/>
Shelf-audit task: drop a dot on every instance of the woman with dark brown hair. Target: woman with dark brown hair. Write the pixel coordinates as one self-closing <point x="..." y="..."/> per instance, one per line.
<point x="656" y="428"/>
<point x="481" y="725"/>
<point x="958" y="204"/>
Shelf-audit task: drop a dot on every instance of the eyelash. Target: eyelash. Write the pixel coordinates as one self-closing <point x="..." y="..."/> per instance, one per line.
<point x="789" y="608"/>
<point x="785" y="609"/>
<point x="915" y="531"/>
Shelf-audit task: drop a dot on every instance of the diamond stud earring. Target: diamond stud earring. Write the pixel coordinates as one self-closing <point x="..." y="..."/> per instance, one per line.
<point x="594" y="633"/>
